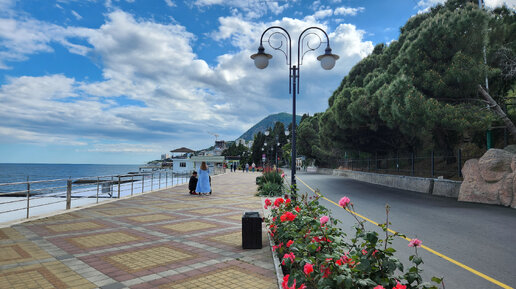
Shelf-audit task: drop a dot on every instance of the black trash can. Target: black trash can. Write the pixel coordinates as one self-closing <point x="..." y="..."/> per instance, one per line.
<point x="251" y="230"/>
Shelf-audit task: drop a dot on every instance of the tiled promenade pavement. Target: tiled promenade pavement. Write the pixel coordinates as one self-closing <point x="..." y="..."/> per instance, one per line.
<point x="165" y="239"/>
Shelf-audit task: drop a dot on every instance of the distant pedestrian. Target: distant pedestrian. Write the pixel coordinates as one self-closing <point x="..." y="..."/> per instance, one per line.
<point x="235" y="167"/>
<point x="203" y="184"/>
<point x="253" y="166"/>
<point x="231" y="167"/>
<point x="192" y="184"/>
<point x="246" y="168"/>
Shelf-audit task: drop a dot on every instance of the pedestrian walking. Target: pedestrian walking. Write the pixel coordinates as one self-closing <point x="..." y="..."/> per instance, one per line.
<point x="203" y="183"/>
<point x="246" y="168"/>
<point x="231" y="167"/>
<point x="253" y="166"/>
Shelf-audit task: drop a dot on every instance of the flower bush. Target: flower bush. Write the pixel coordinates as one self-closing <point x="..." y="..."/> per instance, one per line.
<point x="270" y="183"/>
<point x="316" y="254"/>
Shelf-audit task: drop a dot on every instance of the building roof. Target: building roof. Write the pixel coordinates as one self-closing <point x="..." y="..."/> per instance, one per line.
<point x="182" y="150"/>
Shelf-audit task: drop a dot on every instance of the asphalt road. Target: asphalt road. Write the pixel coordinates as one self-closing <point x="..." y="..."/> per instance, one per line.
<point x="482" y="237"/>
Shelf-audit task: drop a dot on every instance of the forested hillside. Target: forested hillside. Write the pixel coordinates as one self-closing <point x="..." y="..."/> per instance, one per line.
<point x="268" y="122"/>
<point x="421" y="92"/>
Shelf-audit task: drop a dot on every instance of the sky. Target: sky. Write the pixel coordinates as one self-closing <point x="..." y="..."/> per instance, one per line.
<point x="124" y="81"/>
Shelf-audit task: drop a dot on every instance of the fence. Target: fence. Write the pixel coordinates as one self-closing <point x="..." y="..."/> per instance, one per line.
<point x="24" y="199"/>
<point x="431" y="165"/>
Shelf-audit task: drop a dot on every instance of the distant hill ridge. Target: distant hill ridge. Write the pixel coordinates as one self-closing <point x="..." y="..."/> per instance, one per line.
<point x="268" y="122"/>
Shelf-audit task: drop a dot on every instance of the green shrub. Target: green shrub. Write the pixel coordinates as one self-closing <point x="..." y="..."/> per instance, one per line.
<point x="273" y="177"/>
<point x="270" y="189"/>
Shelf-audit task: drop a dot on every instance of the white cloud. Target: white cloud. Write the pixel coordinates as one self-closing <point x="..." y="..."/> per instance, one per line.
<point x="251" y="8"/>
<point x="348" y="10"/>
<point x="176" y="98"/>
<point x="170" y="3"/>
<point x="76" y="15"/>
<point x="126" y="148"/>
<point x="323" y="13"/>
<point x="498" y="3"/>
<point x="425" y="5"/>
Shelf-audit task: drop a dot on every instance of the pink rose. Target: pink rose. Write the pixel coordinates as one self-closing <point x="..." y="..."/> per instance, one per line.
<point x="379" y="287"/>
<point x="344" y="202"/>
<point x="415" y="243"/>
<point x="324" y="220"/>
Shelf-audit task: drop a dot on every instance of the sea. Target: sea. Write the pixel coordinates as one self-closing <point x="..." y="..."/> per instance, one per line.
<point x="10" y="173"/>
<point x="48" y="186"/>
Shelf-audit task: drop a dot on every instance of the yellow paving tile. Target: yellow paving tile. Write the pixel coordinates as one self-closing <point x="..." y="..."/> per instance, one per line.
<point x="230" y="278"/>
<point x="45" y="275"/>
<point x="256" y="206"/>
<point x="189" y="226"/>
<point x="231" y="239"/>
<point x="148" y="258"/>
<point x="21" y="252"/>
<point x="122" y="211"/>
<point x="209" y="211"/>
<point x="151" y="218"/>
<point x="235" y="217"/>
<point x="103" y="239"/>
<point x="74" y="226"/>
<point x="218" y="202"/>
<point x="178" y="206"/>
<point x="9" y="234"/>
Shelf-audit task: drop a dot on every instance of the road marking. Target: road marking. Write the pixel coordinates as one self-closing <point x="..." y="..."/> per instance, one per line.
<point x="494" y="281"/>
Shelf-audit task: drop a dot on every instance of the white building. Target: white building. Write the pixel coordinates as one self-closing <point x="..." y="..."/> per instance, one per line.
<point x="185" y="162"/>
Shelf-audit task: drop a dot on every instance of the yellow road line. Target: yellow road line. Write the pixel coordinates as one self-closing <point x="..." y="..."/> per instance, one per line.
<point x="494" y="281"/>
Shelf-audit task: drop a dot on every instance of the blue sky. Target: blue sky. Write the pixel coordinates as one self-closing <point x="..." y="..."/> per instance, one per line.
<point x="123" y="81"/>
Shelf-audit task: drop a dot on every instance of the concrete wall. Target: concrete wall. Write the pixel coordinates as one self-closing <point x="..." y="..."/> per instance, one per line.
<point x="439" y="187"/>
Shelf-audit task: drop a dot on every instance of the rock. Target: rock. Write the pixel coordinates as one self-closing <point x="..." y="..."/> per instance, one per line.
<point x="510" y="148"/>
<point x="495" y="164"/>
<point x="506" y="191"/>
<point x="473" y="187"/>
<point x="490" y="179"/>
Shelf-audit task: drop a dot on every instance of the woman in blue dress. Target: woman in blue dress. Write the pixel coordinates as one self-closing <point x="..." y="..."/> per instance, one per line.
<point x="203" y="184"/>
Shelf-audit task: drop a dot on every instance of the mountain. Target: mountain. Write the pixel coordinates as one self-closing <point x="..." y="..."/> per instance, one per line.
<point x="268" y="122"/>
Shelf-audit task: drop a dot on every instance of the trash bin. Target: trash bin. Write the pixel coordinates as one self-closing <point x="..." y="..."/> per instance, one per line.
<point x="251" y="230"/>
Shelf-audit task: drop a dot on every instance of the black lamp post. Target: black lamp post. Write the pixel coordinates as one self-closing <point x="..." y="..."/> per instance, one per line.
<point x="261" y="60"/>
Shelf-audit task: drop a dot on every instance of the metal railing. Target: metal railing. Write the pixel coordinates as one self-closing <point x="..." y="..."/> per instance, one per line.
<point x="20" y="200"/>
<point x="430" y="165"/>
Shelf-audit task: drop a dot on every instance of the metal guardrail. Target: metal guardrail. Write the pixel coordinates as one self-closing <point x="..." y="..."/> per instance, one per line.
<point x="19" y="197"/>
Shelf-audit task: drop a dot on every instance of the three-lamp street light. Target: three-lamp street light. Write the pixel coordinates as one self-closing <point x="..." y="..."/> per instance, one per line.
<point x="261" y="61"/>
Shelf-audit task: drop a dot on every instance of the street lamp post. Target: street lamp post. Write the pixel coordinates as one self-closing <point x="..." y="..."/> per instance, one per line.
<point x="261" y="60"/>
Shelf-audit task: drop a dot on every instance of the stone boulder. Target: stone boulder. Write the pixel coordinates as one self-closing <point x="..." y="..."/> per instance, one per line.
<point x="495" y="164"/>
<point x="490" y="179"/>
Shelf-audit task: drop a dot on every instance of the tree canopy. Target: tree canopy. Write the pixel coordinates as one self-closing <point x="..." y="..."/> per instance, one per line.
<point x="420" y="91"/>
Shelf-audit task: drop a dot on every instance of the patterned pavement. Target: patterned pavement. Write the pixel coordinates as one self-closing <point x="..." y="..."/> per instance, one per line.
<point x="164" y="239"/>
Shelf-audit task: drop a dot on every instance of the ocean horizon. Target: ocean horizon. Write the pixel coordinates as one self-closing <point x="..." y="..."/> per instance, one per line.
<point x="19" y="172"/>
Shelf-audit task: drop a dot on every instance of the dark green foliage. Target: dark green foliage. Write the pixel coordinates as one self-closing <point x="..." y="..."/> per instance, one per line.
<point x="270" y="184"/>
<point x="421" y="91"/>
